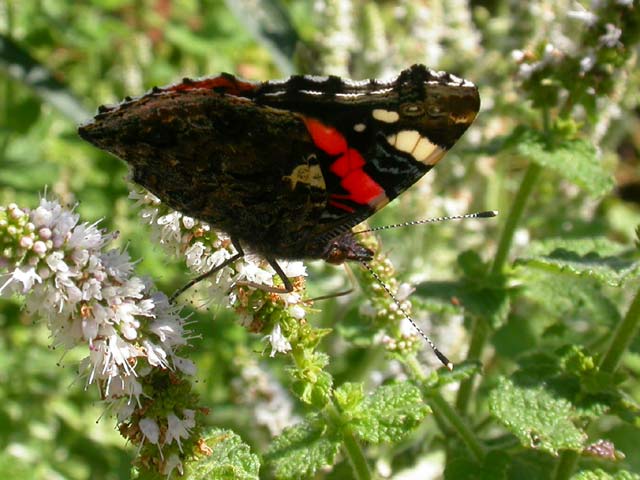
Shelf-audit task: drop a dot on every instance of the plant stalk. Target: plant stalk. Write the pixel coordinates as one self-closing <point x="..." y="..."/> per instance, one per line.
<point x="626" y="330"/>
<point x="351" y="447"/>
<point x="566" y="465"/>
<point x="479" y="336"/>
<point x="441" y="407"/>
<point x="513" y="219"/>
<point x="480" y="332"/>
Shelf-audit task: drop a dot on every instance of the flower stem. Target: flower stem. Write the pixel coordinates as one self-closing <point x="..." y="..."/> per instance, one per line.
<point x="622" y="338"/>
<point x="356" y="456"/>
<point x="351" y="447"/>
<point x="441" y="407"/>
<point x="515" y="214"/>
<point x="566" y="465"/>
<point x="479" y="336"/>
<point x="480" y="332"/>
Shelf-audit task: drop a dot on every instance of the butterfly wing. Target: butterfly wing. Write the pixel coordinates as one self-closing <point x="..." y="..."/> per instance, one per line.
<point x="376" y="138"/>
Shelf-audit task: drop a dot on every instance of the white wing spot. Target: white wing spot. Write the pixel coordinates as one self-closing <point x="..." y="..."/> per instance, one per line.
<point x="387" y="116"/>
<point x="423" y="149"/>
<point x="359" y="127"/>
<point x="407" y="140"/>
<point x="420" y="148"/>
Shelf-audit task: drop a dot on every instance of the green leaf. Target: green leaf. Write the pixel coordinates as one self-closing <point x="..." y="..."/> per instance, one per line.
<point x="231" y="459"/>
<point x="462" y="371"/>
<point x="349" y="396"/>
<point x="315" y="391"/>
<point x="575" y="160"/>
<point x="539" y="419"/>
<point x="484" y="302"/>
<point x="302" y="449"/>
<point x="602" y="475"/>
<point x="566" y="297"/>
<point x="389" y="413"/>
<point x="598" y="258"/>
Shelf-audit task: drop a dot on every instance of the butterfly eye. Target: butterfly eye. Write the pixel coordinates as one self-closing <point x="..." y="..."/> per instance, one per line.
<point x="412" y="110"/>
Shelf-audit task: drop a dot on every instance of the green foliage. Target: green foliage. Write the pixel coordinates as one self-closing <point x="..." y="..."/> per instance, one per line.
<point x="596" y="257"/>
<point x="538" y="309"/>
<point x="390" y="413"/>
<point x="303" y="449"/>
<point x="576" y="160"/>
<point x="536" y="417"/>
<point x="230" y="459"/>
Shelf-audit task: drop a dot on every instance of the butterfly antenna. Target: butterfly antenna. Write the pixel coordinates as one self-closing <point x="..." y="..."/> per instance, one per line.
<point x="487" y="214"/>
<point x="441" y="356"/>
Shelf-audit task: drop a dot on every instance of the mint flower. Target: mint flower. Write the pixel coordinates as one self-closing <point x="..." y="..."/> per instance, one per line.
<point x="90" y="299"/>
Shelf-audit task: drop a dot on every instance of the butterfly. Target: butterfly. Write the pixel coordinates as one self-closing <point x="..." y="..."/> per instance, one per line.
<point x="286" y="168"/>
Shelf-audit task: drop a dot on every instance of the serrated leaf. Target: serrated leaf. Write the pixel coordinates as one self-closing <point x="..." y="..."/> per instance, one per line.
<point x="482" y="301"/>
<point x="602" y="475"/>
<point x="539" y="419"/>
<point x="575" y="160"/>
<point x="231" y="459"/>
<point x="389" y="413"/>
<point x="302" y="449"/>
<point x="439" y="378"/>
<point x="565" y="298"/>
<point x="478" y="293"/>
<point x="598" y="258"/>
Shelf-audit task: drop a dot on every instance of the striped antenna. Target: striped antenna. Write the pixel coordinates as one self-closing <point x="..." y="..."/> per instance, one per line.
<point x="441" y="356"/>
<point x="487" y="214"/>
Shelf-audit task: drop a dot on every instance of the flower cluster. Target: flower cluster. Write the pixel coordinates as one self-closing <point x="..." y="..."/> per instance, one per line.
<point x="205" y="249"/>
<point x="279" y="317"/>
<point x="90" y="298"/>
<point x="580" y="75"/>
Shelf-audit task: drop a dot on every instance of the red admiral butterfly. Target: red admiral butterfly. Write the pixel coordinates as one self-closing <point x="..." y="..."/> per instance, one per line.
<point x="287" y="168"/>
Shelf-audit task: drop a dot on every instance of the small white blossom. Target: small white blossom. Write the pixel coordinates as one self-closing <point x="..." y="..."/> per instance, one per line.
<point x="294" y="269"/>
<point x="251" y="271"/>
<point x="517" y="55"/>
<point x="178" y="429"/>
<point x="26" y="276"/>
<point x="271" y="403"/>
<point x="584" y="16"/>
<point x="150" y="429"/>
<point x="297" y="312"/>
<point x="279" y="344"/>
<point x="185" y="365"/>
<point x="612" y="37"/>
<point x="172" y="463"/>
<point x="587" y="63"/>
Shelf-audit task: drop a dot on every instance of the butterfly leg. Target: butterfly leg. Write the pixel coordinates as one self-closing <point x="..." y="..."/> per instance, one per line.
<point x="288" y="286"/>
<point x="238" y="255"/>
<point x="352" y="281"/>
